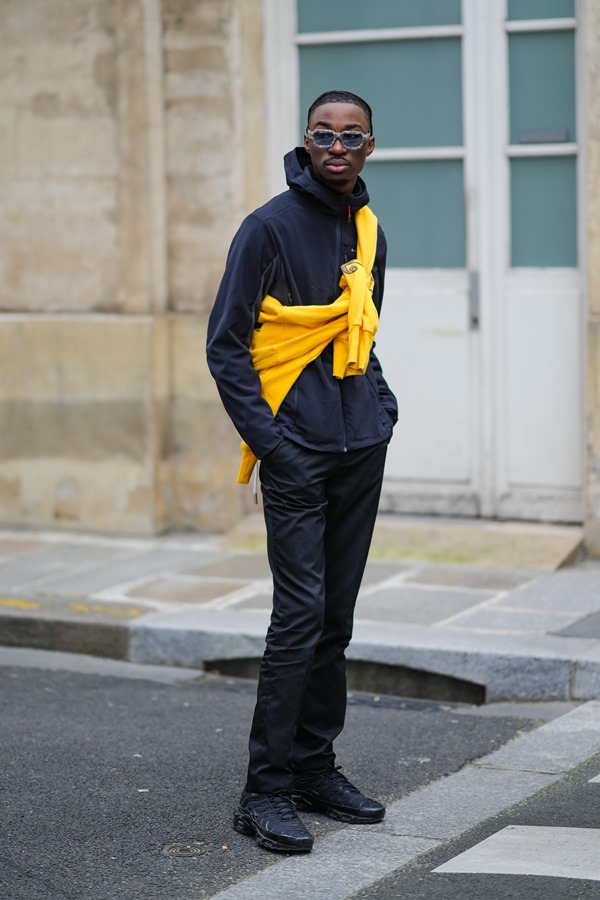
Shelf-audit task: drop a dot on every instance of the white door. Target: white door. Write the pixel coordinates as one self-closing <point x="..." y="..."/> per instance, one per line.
<point x="474" y="181"/>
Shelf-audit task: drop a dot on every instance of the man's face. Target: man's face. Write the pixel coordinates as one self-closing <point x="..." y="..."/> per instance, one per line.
<point x="339" y="167"/>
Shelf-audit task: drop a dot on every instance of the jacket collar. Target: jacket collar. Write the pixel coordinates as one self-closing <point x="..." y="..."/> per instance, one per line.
<point x="301" y="177"/>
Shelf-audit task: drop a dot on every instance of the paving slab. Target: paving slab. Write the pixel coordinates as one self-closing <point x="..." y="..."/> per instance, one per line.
<point x="515" y="545"/>
<point x="135" y="566"/>
<point x="76" y="555"/>
<point x="588" y="626"/>
<point x="15" y="547"/>
<point x="481" y="577"/>
<point x="249" y="566"/>
<point x="565" y="591"/>
<point x="175" y="590"/>
<point x="27" y="569"/>
<point x="260" y="600"/>
<point x="507" y="620"/>
<point x="421" y="606"/>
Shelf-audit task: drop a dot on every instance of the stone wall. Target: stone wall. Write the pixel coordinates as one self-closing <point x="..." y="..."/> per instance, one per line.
<point x="214" y="175"/>
<point x="127" y="130"/>
<point x="131" y="145"/>
<point x="592" y="431"/>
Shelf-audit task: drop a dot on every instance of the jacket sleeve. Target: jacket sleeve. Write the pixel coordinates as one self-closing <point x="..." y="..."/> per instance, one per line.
<point x="388" y="400"/>
<point x="250" y="263"/>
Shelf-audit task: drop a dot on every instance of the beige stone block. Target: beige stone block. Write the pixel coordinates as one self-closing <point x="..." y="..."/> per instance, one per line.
<point x="58" y="245"/>
<point x="205" y="17"/>
<point x="67" y="146"/>
<point x="99" y="495"/>
<point x="8" y="151"/>
<point x="199" y="237"/>
<point x="191" y="377"/>
<point x="204" y="444"/>
<point x="205" y="450"/>
<point x="592" y="360"/>
<point x="254" y="110"/>
<point x="76" y="360"/>
<point x="200" y="143"/>
<point x="20" y="19"/>
<point x="84" y="422"/>
<point x="75" y="120"/>
<point x="591" y="530"/>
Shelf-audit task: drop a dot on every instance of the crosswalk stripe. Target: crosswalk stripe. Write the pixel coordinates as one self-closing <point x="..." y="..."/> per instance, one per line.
<point x="533" y="850"/>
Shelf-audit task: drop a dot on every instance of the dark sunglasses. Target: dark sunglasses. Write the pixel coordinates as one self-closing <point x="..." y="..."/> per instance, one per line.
<point x="325" y="138"/>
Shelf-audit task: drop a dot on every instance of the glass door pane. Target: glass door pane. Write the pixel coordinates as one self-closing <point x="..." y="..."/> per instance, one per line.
<point x="413" y="87"/>
<point x="542" y="86"/>
<point x="421" y="209"/>
<point x="320" y="15"/>
<point x="544" y="211"/>
<point x="541" y="9"/>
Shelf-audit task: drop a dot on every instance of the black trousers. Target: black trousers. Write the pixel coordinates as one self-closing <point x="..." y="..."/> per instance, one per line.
<point x="320" y="510"/>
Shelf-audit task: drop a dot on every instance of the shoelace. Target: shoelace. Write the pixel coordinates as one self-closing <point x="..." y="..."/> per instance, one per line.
<point x="282" y="805"/>
<point x="339" y="779"/>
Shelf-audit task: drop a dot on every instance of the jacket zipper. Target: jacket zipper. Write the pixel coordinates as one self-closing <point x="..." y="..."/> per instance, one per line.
<point x="338" y="256"/>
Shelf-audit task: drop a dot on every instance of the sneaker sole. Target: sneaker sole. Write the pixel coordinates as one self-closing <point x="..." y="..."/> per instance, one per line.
<point x="243" y="823"/>
<point x="306" y="804"/>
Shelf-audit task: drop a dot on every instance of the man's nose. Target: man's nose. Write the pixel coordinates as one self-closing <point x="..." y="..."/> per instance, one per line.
<point x="337" y="146"/>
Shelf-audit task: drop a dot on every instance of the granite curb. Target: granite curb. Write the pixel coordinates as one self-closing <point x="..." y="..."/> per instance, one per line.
<point x="193" y="602"/>
<point x="517" y="667"/>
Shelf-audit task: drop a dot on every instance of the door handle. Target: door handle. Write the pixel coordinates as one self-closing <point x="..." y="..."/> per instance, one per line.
<point x="473" y="301"/>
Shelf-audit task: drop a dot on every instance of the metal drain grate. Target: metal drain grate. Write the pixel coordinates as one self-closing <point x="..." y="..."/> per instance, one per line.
<point x="188" y="850"/>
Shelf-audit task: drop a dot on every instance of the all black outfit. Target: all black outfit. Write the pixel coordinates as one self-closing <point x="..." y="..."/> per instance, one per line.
<point x="322" y="459"/>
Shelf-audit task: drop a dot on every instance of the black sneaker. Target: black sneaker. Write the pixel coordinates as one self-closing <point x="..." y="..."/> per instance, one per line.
<point x="272" y="819"/>
<point x="330" y="792"/>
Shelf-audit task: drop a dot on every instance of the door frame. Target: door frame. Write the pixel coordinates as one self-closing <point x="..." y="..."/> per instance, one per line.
<point x="486" y="179"/>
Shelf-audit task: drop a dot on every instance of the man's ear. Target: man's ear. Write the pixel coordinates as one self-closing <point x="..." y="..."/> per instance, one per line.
<point x="370" y="145"/>
<point x="306" y="143"/>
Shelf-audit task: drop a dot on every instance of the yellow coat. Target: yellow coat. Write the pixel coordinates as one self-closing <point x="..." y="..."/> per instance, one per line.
<point x="291" y="337"/>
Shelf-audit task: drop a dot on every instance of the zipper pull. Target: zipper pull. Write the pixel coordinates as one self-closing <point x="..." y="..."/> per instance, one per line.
<point x="349" y="214"/>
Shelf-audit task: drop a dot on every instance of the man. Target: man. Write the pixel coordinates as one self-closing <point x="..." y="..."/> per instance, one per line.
<point x="294" y="367"/>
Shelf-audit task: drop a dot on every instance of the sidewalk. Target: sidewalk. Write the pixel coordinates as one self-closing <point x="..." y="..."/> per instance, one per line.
<point x="450" y="609"/>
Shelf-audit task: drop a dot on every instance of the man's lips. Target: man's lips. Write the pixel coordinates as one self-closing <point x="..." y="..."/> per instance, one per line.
<point x="337" y="164"/>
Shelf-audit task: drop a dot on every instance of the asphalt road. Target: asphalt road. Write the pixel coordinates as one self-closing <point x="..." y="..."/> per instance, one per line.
<point x="102" y="771"/>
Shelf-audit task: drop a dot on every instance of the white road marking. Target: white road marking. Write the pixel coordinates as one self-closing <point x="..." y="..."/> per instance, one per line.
<point x="533" y="850"/>
<point x="592" y="780"/>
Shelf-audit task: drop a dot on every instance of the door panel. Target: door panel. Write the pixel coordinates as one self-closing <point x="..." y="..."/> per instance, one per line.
<point x="424" y="341"/>
<point x="475" y="180"/>
<point x="543" y="377"/>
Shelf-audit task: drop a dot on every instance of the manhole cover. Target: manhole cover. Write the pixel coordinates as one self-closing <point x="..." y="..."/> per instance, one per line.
<point x="186" y="850"/>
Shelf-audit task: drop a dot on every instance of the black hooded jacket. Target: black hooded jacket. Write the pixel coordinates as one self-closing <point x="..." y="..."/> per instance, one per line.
<point x="292" y="248"/>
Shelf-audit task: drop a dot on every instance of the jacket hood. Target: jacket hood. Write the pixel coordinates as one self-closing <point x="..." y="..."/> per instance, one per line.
<point x="301" y="177"/>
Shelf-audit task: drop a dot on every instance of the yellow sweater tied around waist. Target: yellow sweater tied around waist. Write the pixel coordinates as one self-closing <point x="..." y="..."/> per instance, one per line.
<point x="291" y="337"/>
